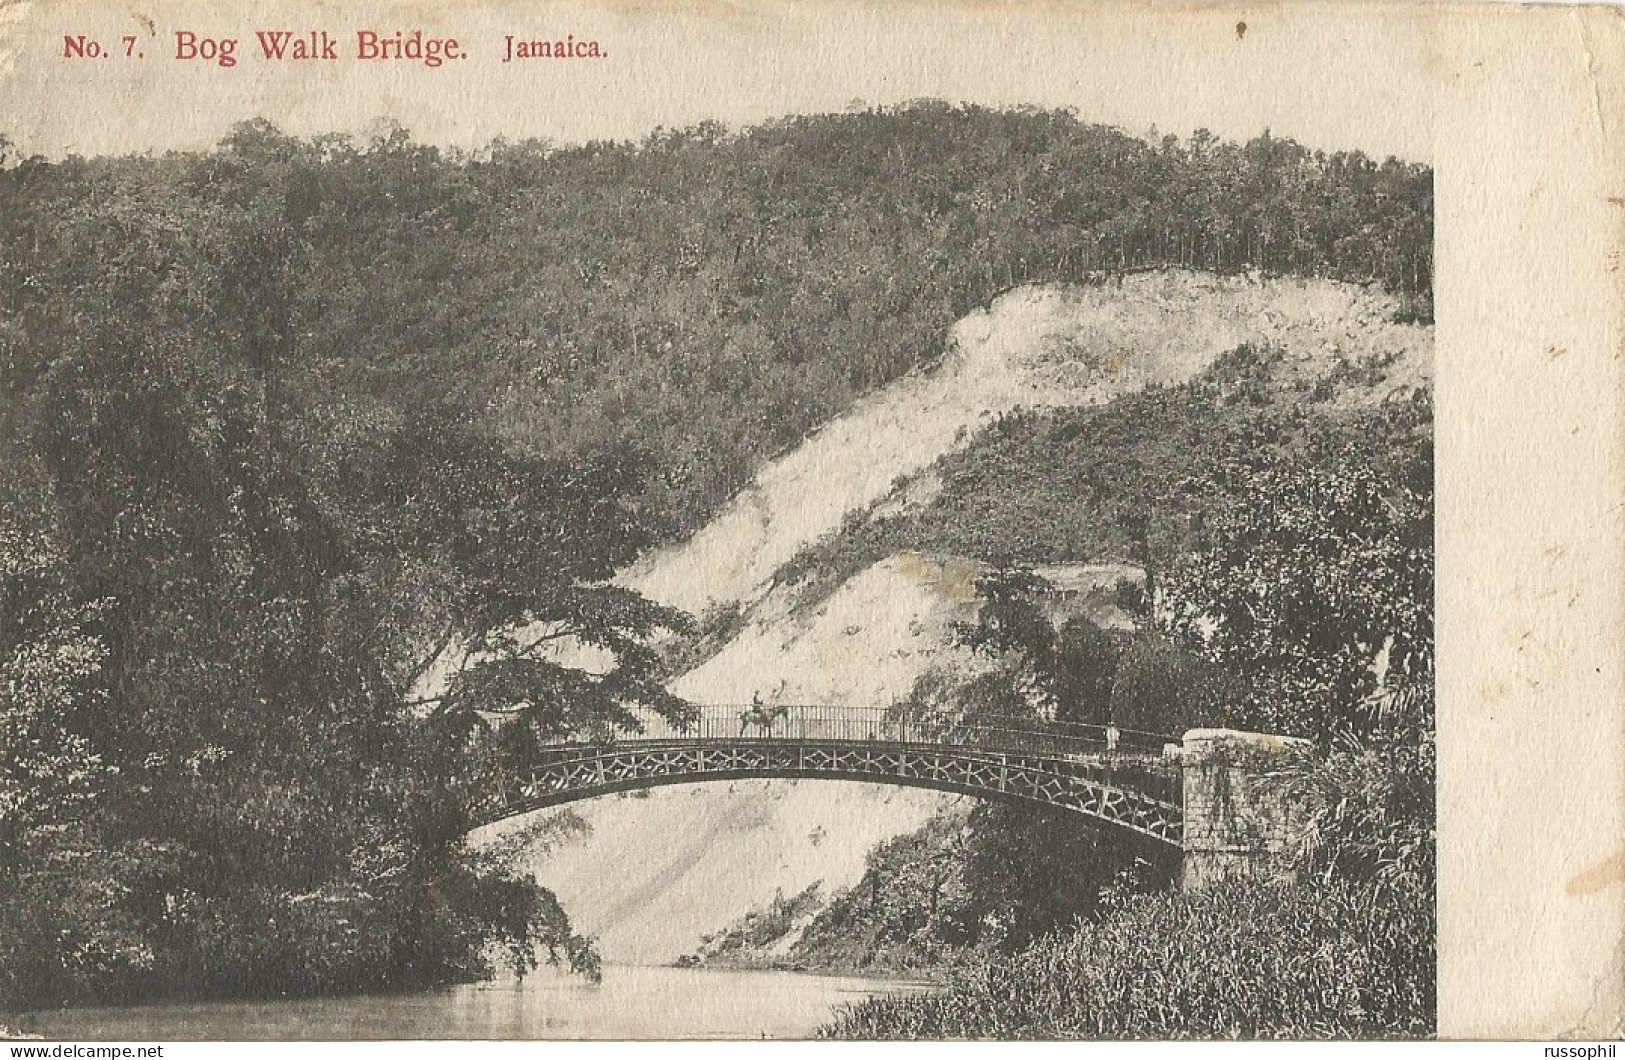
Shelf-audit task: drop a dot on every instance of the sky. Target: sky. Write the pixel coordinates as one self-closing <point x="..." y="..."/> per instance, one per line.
<point x="1349" y="76"/>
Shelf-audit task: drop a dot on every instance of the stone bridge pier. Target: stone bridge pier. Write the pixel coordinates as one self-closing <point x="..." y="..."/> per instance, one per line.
<point x="1238" y="823"/>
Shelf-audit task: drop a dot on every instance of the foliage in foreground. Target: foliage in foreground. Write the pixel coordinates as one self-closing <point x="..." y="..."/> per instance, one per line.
<point x="266" y="848"/>
<point x="1253" y="960"/>
<point x="225" y="764"/>
<point x="1348" y="952"/>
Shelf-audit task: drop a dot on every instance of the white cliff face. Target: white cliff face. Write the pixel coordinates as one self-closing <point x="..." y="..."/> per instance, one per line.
<point x="864" y="646"/>
<point x="1034" y="346"/>
<point x="654" y="874"/>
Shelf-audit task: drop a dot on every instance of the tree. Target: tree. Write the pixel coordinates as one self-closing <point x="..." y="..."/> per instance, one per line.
<point x="279" y="566"/>
<point x="63" y="925"/>
<point x="1067" y="672"/>
<point x="1314" y="589"/>
<point x="1163" y="688"/>
<point x="1029" y="871"/>
<point x="513" y="555"/>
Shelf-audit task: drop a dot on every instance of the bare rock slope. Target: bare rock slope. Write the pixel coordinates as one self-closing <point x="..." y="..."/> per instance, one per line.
<point x="1034" y="346"/>
<point x="655" y="873"/>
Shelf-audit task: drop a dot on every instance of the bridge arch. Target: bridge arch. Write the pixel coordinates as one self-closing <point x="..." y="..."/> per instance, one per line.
<point x="1116" y="777"/>
<point x="1205" y="795"/>
<point x="1136" y="793"/>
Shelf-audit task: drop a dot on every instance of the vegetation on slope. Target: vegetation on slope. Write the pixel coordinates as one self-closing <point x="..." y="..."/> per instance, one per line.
<point x="972" y="881"/>
<point x="1309" y="592"/>
<point x="706" y="298"/>
<point x="1243" y="961"/>
<point x="1136" y="479"/>
<point x="750" y="940"/>
<point x="1349" y="951"/>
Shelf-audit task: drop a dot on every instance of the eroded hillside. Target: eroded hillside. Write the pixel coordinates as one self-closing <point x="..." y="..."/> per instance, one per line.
<point x="812" y="630"/>
<point x="1034" y="347"/>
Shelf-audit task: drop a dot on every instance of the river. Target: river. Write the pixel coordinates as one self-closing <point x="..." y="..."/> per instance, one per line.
<point x="631" y="1002"/>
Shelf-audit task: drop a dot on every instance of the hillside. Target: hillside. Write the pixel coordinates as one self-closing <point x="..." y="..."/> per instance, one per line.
<point x="288" y="424"/>
<point x="1150" y="682"/>
<point x="705" y="853"/>
<point x="698" y="301"/>
<point x="1034" y="347"/>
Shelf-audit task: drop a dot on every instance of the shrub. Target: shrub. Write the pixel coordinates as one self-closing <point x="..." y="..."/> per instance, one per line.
<point x="1253" y="960"/>
<point x="1370" y="805"/>
<point x="1162" y="688"/>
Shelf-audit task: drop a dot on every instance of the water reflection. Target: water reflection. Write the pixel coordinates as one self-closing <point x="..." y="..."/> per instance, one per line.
<point x="631" y="1002"/>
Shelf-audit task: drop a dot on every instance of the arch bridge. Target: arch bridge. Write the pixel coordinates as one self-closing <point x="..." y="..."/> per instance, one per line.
<point x="1195" y="793"/>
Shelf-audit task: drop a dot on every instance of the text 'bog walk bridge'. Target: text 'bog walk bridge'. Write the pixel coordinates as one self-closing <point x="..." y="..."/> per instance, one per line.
<point x="1200" y="794"/>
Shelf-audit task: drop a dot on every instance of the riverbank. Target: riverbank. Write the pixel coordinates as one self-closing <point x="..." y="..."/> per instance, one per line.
<point x="1331" y="960"/>
<point x="933" y="975"/>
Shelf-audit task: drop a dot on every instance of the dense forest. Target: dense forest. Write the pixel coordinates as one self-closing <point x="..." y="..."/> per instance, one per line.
<point x="701" y="297"/>
<point x="288" y="424"/>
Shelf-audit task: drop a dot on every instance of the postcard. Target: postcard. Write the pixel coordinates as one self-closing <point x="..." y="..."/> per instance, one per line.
<point x="813" y="519"/>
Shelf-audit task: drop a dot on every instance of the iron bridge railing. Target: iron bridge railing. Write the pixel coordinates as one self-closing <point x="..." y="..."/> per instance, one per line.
<point x="892" y="725"/>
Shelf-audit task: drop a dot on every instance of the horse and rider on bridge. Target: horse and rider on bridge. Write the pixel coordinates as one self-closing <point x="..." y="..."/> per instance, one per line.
<point x="761" y="715"/>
